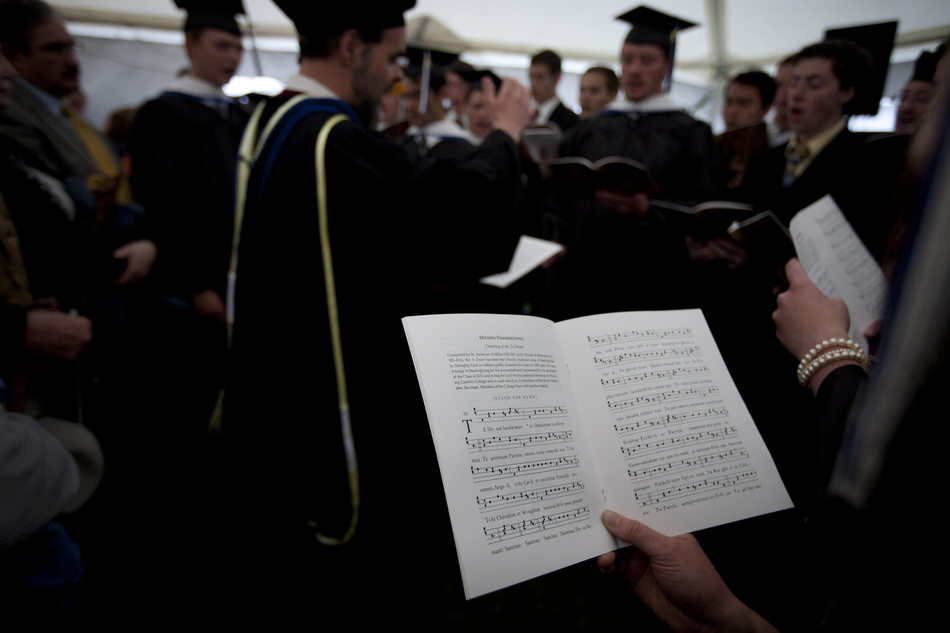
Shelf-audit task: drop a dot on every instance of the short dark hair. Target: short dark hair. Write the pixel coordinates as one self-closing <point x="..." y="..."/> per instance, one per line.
<point x="18" y="18"/>
<point x="759" y="80"/>
<point x="436" y="76"/>
<point x="852" y="65"/>
<point x="322" y="47"/>
<point x="550" y="60"/>
<point x="613" y="84"/>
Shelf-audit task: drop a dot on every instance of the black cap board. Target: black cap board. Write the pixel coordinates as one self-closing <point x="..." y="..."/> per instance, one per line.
<point x="218" y="14"/>
<point x="317" y="20"/>
<point x="878" y="39"/>
<point x="925" y="67"/>
<point x="650" y="26"/>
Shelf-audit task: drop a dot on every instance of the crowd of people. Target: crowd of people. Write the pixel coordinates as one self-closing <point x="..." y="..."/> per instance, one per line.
<point x="217" y="297"/>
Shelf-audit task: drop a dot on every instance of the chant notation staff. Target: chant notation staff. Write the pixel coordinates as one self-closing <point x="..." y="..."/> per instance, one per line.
<point x="663" y="396"/>
<point x="677" y="492"/>
<point x="514" y="413"/>
<point x="636" y="336"/>
<point x="633" y="357"/>
<point x="488" y="473"/>
<point x="697" y="439"/>
<point x="505" y="442"/>
<point x="539" y="494"/>
<point x="671" y="419"/>
<point x="677" y="466"/>
<point x="539" y="524"/>
<point x="614" y="383"/>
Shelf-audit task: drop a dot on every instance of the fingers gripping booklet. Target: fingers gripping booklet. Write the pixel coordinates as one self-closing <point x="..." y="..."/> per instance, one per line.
<point x="540" y="426"/>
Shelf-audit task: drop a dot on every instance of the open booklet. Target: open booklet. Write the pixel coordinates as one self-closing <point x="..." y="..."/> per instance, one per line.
<point x="540" y="426"/>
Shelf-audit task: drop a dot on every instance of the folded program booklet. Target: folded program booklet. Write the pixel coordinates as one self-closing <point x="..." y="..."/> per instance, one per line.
<point x="540" y="426"/>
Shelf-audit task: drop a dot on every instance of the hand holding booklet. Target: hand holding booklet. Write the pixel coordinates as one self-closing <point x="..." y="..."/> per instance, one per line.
<point x="540" y="426"/>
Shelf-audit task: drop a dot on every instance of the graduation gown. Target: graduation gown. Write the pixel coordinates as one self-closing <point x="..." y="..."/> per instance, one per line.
<point x="397" y="226"/>
<point x="184" y="150"/>
<point x="626" y="263"/>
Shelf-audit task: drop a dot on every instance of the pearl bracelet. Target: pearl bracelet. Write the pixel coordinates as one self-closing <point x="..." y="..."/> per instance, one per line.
<point x="834" y="349"/>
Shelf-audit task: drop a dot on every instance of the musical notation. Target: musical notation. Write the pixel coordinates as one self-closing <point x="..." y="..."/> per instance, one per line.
<point x="517" y="498"/>
<point x="636" y="357"/>
<point x="505" y="442"/>
<point x="623" y="430"/>
<point x="663" y="396"/>
<point x="637" y="336"/>
<point x="703" y="437"/>
<point x="680" y="491"/>
<point x="488" y="473"/>
<point x="650" y="376"/>
<point x="539" y="524"/>
<point x="680" y="465"/>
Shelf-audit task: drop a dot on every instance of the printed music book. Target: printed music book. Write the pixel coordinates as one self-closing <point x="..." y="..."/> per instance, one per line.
<point x="540" y="426"/>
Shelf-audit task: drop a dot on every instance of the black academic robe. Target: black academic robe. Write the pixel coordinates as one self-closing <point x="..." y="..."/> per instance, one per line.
<point x="398" y="225"/>
<point x="626" y="263"/>
<point x="855" y="174"/>
<point x="183" y="161"/>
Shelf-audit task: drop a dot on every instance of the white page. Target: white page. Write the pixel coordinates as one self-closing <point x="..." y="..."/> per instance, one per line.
<point x="836" y="261"/>
<point x="522" y="490"/>
<point x="676" y="446"/>
<point x="530" y="253"/>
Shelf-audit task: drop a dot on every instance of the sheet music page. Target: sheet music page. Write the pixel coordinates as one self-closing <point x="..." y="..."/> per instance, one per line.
<point x="838" y="262"/>
<point x="676" y="446"/>
<point x="522" y="488"/>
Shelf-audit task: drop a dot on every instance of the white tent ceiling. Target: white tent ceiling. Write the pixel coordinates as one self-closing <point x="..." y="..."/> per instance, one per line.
<point x="735" y="34"/>
<point x="754" y="32"/>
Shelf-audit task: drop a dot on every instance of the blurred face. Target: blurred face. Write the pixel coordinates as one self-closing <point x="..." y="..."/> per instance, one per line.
<point x="378" y="70"/>
<point x="642" y="70"/>
<point x="543" y="82"/>
<point x="456" y="89"/>
<point x="915" y="99"/>
<point x="434" y="110"/>
<point x="594" y="94"/>
<point x="743" y="106"/>
<point x="782" y="78"/>
<point x="816" y="100"/>
<point x="50" y="62"/>
<point x="215" y="55"/>
<point x="479" y="119"/>
<point x="6" y="74"/>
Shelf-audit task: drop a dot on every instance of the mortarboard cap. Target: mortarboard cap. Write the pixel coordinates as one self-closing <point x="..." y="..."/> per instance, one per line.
<point x="318" y="20"/>
<point x="925" y="67"/>
<point x="218" y="14"/>
<point x="650" y="26"/>
<point x="878" y="40"/>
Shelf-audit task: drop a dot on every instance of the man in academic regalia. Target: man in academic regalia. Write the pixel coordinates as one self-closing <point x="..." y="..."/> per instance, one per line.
<point x="320" y="373"/>
<point x="184" y="146"/>
<point x="621" y="255"/>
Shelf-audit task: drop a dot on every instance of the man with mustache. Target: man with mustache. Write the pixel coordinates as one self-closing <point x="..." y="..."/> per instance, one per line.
<point x="46" y="132"/>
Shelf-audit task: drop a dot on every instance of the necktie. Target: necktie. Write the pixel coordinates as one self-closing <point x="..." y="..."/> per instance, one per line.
<point x="795" y="158"/>
<point x="110" y="177"/>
